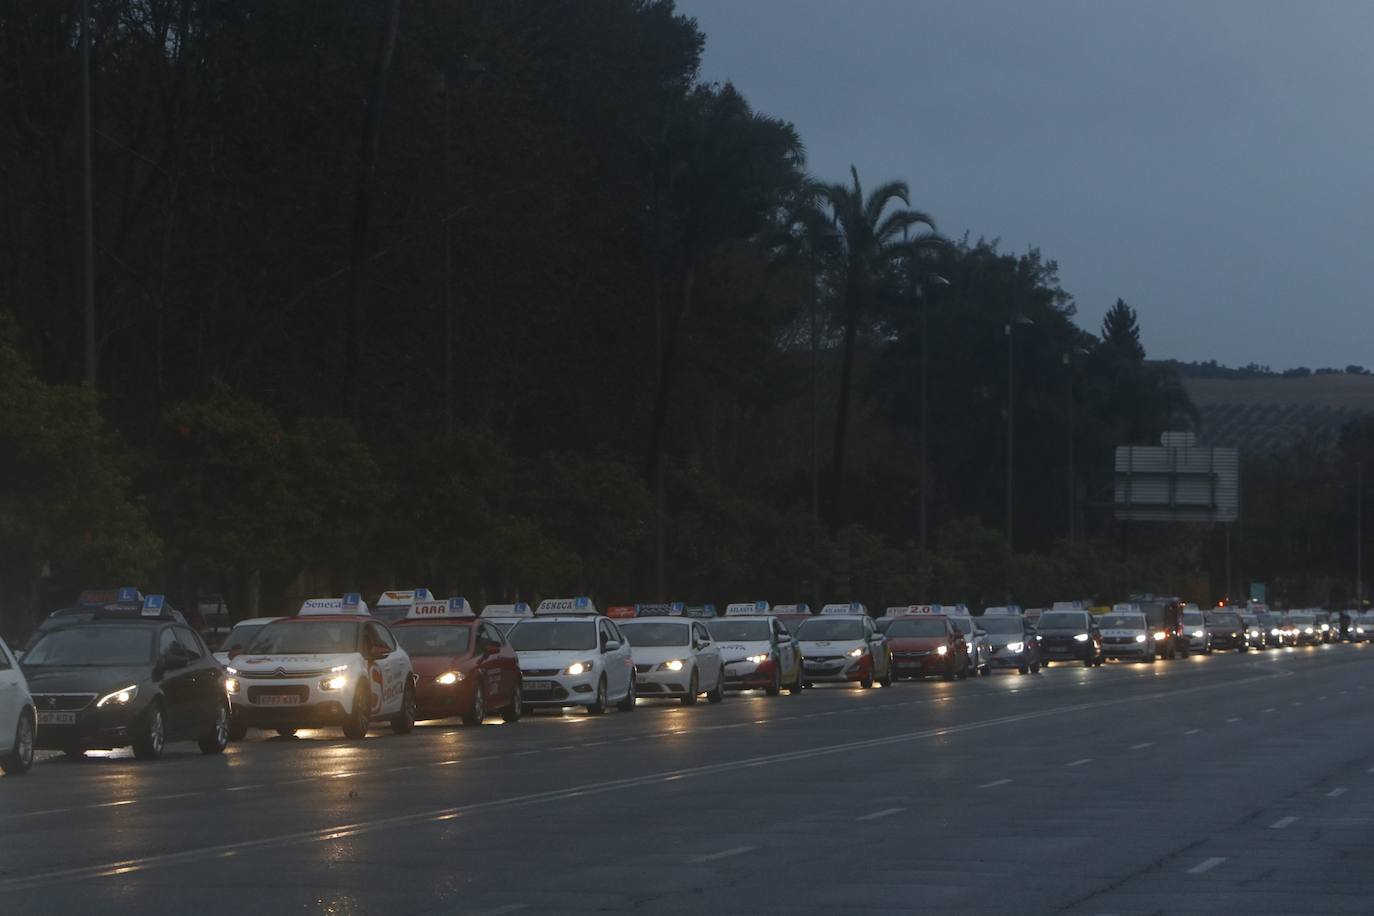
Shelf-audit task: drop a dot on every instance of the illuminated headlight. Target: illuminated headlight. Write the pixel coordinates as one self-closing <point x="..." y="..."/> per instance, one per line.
<point x="1158" y="636"/>
<point x="942" y="650"/>
<point x="1307" y="630"/>
<point x="1325" y="627"/>
<point x="856" y="652"/>
<point x="577" y="668"/>
<point x="334" y="682"/>
<point x="119" y="697"/>
<point x="338" y="668"/>
<point x="1234" y="635"/>
<point x="757" y="659"/>
<point x="231" y="685"/>
<point x="1274" y="631"/>
<point x="1198" y="634"/>
<point x="231" y="671"/>
<point x="1359" y="629"/>
<point x="1015" y="647"/>
<point x="1141" y="637"/>
<point x="673" y="664"/>
<point x="449" y="678"/>
<point x="1081" y="637"/>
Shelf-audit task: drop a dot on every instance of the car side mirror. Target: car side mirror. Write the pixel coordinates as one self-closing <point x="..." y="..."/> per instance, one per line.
<point x="611" y="645"/>
<point x="378" y="652"/>
<point x="491" y="648"/>
<point x="175" y="658"/>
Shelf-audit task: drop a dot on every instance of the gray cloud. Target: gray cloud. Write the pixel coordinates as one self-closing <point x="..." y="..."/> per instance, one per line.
<point x="1209" y="161"/>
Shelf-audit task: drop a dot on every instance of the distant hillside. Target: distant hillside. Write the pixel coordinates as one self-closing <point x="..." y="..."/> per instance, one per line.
<point x="1261" y="414"/>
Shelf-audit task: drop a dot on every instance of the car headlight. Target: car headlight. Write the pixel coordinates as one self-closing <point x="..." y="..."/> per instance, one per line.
<point x="228" y="670"/>
<point x="757" y="659"/>
<point x="1161" y="635"/>
<point x="449" y="678"/>
<point x="334" y="682"/>
<point x="1198" y="634"/>
<point x="1141" y="637"/>
<point x="231" y="685"/>
<point x="1274" y="631"/>
<point x="1081" y="637"/>
<point x="1359" y="629"/>
<point x="577" y="668"/>
<point x="672" y="664"/>
<point x="1307" y="630"/>
<point x="1234" y="635"/>
<point x="120" y="697"/>
<point x="942" y="650"/>
<point x="1015" y="647"/>
<point x="856" y="652"/>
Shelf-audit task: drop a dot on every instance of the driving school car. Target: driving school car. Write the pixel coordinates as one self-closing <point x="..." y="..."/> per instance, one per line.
<point x="843" y="645"/>
<point x="395" y="605"/>
<point x="332" y="664"/>
<point x="570" y="655"/>
<point x="463" y="665"/>
<point x="758" y="650"/>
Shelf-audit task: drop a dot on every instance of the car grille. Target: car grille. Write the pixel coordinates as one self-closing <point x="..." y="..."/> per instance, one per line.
<point x="281" y="673"/>
<point x="1118" y="640"/>
<point x="643" y="669"/>
<point x="539" y="672"/>
<point x="908" y="656"/>
<point x="825" y="659"/>
<point x="257" y="693"/>
<point x="66" y="701"/>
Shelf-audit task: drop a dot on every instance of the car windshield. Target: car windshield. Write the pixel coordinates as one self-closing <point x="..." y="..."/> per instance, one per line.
<point x="1224" y="620"/>
<point x="434" y="640"/>
<point x="93" y="646"/>
<point x="962" y="624"/>
<point x="651" y="635"/>
<point x="1123" y="621"/>
<point x="316" y="637"/>
<point x="1062" y="620"/>
<point x="242" y="635"/>
<point x="908" y="627"/>
<point x="553" y="635"/>
<point x="739" y="630"/>
<point x="831" y="628"/>
<point x="1003" y="624"/>
<point x="1193" y="618"/>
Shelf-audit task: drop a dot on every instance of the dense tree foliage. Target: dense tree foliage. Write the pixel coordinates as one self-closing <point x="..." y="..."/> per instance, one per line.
<point x="476" y="295"/>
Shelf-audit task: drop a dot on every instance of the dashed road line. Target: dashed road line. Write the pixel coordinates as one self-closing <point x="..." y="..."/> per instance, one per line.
<point x="1142" y="745"/>
<point x="1192" y="731"/>
<point x="1206" y="865"/>
<point x="1233" y="719"/>
<point x="1336" y="792"/>
<point x="886" y="812"/>
<point x="723" y="854"/>
<point x="1282" y="822"/>
<point x="994" y="784"/>
<point x="1079" y="763"/>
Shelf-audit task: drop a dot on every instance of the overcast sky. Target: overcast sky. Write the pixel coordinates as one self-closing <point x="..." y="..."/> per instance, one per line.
<point x="1209" y="161"/>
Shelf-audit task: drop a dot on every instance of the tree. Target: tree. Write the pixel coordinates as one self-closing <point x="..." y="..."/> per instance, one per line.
<point x="1121" y="333"/>
<point x="871" y="240"/>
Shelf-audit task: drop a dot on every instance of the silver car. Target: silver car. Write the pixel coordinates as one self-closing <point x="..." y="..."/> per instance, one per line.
<point x="979" y="646"/>
<point x="1195" y="628"/>
<point x="1126" y="634"/>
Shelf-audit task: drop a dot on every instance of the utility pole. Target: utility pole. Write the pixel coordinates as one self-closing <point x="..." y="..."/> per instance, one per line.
<point x="87" y="197"/>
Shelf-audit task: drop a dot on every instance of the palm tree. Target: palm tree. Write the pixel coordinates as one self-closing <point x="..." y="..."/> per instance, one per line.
<point x="871" y="239"/>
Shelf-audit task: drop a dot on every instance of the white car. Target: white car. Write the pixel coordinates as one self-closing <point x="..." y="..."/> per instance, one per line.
<point x="1126" y="634"/>
<point x="332" y="664"/>
<point x="241" y="636"/>
<point x="842" y="645"/>
<point x="759" y="652"/>
<point x="979" y="646"/>
<point x="1194" y="624"/>
<point x="674" y="657"/>
<point x="505" y="616"/>
<point x="570" y="655"/>
<point x="18" y="724"/>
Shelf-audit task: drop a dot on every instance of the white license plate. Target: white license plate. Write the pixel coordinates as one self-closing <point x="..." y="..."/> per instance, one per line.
<point x="539" y="686"/>
<point x="280" y="699"/>
<point x="56" y="718"/>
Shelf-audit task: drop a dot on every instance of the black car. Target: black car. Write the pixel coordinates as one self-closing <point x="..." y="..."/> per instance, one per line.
<point x="1069" y="636"/>
<point x="127" y="678"/>
<point x="1225" y="630"/>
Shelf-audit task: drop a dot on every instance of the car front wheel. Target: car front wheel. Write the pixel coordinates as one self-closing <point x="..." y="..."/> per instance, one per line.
<point x="217" y="738"/>
<point x="152" y="734"/>
<point x="20" y="757"/>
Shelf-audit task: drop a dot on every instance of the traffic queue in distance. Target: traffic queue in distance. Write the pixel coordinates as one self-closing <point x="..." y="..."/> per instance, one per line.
<point x="120" y="669"/>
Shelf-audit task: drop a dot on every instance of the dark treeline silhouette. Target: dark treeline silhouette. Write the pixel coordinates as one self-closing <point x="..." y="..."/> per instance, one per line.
<point x="476" y="295"/>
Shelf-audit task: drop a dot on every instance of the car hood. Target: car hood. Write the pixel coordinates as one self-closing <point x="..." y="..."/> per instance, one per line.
<point x="555" y="659"/>
<point x="435" y="665"/>
<point x="653" y="655"/>
<point x="83" y="680"/>
<point x="734" y="651"/>
<point x="1131" y="633"/>
<point x="916" y="643"/>
<point x="831" y="646"/>
<point x="1001" y="640"/>
<point x="293" y="663"/>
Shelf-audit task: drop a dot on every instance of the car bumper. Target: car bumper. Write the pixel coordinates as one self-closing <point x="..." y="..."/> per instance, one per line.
<point x="437" y="701"/>
<point x="96" y="731"/>
<point x="313" y="715"/>
<point x="841" y="672"/>
<point x="559" y="691"/>
<point x="663" y="683"/>
<point x="1127" y="650"/>
<point x="1076" y="651"/>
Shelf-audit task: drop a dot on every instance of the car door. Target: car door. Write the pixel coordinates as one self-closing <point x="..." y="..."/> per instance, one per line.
<point x="618" y="669"/>
<point x="496" y="678"/>
<point x="10" y="698"/>
<point x="788" y="650"/>
<point x="877" y="647"/>
<point x="394" y="669"/>
<point x="708" y="656"/>
<point x="203" y="676"/>
<point x="177" y="683"/>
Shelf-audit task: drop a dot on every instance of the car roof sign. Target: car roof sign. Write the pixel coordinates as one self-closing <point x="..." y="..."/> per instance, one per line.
<point x="852" y="609"/>
<point x="153" y="604"/>
<point x="923" y="609"/>
<point x="403" y="597"/>
<point x="573" y="606"/>
<point x="904" y="610"/>
<point x="671" y="609"/>
<point x="747" y="609"/>
<point x="791" y="609"/>
<point x="126" y="596"/>
<point x="518" y="609"/>
<point x="351" y="604"/>
<point x="701" y="610"/>
<point x="440" y="610"/>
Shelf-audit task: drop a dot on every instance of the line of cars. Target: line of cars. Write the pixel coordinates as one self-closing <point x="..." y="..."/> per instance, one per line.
<point x="124" y="670"/>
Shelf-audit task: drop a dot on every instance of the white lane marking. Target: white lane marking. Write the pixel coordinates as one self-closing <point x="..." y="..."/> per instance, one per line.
<point x="994" y="784"/>
<point x="1079" y="763"/>
<point x="1270" y="709"/>
<point x="1282" y="823"/>
<point x="1233" y="719"/>
<point x="1192" y="731"/>
<point x="243" y="788"/>
<point x="1206" y="865"/>
<point x="65" y="810"/>
<point x="1336" y="792"/>
<point x="723" y="854"/>
<point x="1142" y="745"/>
<point x="886" y="812"/>
<point x="178" y="795"/>
<point x="344" y="831"/>
<point x="116" y="804"/>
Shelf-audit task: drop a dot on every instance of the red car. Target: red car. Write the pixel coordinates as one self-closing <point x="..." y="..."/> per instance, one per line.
<point x="926" y="644"/>
<point x="463" y="665"/>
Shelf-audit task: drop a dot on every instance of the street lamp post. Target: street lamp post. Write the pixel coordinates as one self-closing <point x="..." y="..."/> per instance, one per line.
<point x="1011" y="418"/>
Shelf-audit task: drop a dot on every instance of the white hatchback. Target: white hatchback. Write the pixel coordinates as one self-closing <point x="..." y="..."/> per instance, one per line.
<point x="17" y="722"/>
<point x="674" y="657"/>
<point x="572" y="656"/>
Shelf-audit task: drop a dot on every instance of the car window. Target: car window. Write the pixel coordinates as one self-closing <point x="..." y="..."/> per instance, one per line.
<point x="4" y="656"/>
<point x="382" y="636"/>
<point x="165" y="640"/>
<point x="491" y="635"/>
<point x="703" y="637"/>
<point x="605" y="634"/>
<point x="188" y="641"/>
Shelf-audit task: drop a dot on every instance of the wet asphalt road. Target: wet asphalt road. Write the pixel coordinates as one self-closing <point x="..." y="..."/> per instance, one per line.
<point x="1222" y="784"/>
